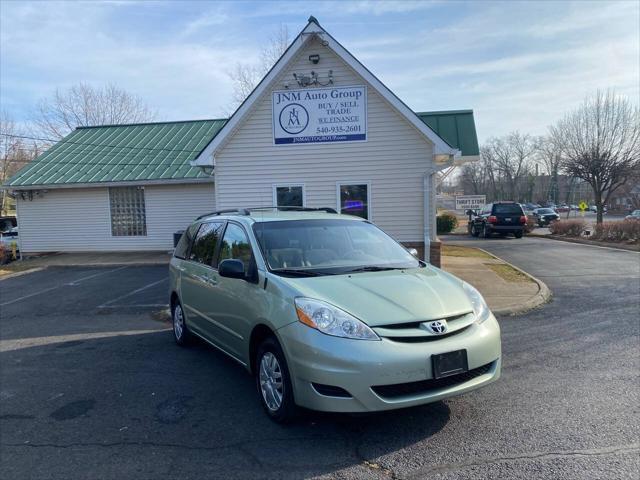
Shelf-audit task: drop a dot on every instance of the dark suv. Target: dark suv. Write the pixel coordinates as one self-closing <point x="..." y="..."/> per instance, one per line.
<point x="499" y="217"/>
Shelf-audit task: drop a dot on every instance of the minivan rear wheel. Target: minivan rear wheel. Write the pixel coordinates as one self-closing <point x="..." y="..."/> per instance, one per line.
<point x="180" y="332"/>
<point x="274" y="382"/>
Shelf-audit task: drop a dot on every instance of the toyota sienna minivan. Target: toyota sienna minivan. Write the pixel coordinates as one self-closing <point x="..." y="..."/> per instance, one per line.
<point x="328" y="312"/>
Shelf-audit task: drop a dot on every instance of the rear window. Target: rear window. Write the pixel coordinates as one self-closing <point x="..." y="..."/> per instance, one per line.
<point x="507" y="209"/>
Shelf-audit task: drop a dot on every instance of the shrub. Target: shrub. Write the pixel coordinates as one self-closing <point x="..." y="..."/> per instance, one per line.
<point x="621" y="231"/>
<point x="446" y="222"/>
<point x="4" y="254"/>
<point x="570" y="228"/>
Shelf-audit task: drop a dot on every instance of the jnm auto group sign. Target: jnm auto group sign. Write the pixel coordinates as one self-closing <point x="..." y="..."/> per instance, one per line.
<point x="320" y="115"/>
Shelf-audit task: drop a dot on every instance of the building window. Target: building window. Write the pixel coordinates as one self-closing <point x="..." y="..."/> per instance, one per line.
<point x="288" y="195"/>
<point x="354" y="199"/>
<point x="128" y="214"/>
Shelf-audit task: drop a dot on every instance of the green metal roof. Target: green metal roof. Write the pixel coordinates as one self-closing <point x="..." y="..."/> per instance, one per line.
<point x="162" y="151"/>
<point x="456" y="127"/>
<point x="121" y="153"/>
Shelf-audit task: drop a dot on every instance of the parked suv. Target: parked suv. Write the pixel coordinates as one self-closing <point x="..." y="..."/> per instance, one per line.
<point x="544" y="216"/>
<point x="329" y="313"/>
<point x="499" y="217"/>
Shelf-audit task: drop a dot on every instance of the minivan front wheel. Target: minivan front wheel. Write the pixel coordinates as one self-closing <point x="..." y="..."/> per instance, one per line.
<point x="180" y="332"/>
<point x="274" y="382"/>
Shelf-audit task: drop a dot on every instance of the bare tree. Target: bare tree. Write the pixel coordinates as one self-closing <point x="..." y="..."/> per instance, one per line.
<point x="15" y="153"/>
<point x="84" y="105"/>
<point x="600" y="143"/>
<point x="473" y="178"/>
<point x="246" y="76"/>
<point x="508" y="162"/>
<point x="549" y="158"/>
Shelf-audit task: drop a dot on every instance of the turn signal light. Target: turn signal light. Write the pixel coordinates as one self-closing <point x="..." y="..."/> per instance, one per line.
<point x="493" y="219"/>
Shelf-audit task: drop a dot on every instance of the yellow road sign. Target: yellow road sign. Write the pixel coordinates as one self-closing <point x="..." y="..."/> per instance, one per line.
<point x="583" y="206"/>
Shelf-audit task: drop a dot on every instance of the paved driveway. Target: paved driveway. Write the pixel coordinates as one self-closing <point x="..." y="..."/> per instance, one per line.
<point x="92" y="386"/>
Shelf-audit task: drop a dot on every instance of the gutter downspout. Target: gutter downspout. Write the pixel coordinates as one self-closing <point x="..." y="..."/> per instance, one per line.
<point x="426" y="187"/>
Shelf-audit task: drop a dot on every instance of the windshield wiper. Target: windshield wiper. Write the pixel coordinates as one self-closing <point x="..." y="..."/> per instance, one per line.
<point x="297" y="272"/>
<point x="372" y="268"/>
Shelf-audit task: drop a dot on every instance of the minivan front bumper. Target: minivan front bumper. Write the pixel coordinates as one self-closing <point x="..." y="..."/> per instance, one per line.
<point x="385" y="374"/>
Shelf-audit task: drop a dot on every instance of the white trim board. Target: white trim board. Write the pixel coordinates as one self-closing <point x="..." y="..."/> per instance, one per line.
<point x="207" y="156"/>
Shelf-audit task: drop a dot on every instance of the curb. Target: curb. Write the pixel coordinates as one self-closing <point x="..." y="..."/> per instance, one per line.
<point x="580" y="241"/>
<point x="23" y="272"/>
<point x="543" y="296"/>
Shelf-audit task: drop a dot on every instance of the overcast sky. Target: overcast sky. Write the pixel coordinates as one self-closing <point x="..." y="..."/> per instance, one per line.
<point x="518" y="65"/>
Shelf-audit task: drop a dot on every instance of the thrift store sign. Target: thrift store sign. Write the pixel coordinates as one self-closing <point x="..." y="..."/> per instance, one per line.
<point x="320" y="115"/>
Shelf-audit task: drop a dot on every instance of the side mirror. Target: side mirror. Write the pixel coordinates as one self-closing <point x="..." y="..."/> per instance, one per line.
<point x="231" y="268"/>
<point x="413" y="252"/>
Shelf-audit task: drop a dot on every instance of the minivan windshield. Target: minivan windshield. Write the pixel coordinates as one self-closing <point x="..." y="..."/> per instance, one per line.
<point x="329" y="247"/>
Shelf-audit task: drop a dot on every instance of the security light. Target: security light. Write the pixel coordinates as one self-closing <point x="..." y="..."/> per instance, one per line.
<point x="314" y="59"/>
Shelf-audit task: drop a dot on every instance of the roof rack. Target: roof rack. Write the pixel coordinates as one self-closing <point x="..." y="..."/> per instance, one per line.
<point x="237" y="211"/>
<point x="292" y="209"/>
<point x="247" y="211"/>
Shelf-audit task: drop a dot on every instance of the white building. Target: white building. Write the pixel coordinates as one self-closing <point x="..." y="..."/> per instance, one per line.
<point x="320" y="130"/>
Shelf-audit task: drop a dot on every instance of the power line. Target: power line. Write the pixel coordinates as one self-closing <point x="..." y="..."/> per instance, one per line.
<point x="59" y="142"/>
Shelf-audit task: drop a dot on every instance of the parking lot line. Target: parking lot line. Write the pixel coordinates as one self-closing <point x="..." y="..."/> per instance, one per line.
<point x="107" y="304"/>
<point x="72" y="283"/>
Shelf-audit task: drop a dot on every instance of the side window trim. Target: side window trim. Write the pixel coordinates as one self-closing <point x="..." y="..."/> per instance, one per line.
<point x="214" y="257"/>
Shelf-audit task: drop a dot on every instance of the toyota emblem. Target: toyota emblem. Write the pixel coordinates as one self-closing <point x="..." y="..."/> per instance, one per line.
<point x="438" y="327"/>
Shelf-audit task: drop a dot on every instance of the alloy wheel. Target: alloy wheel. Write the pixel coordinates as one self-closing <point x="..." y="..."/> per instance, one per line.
<point x="271" y="385"/>
<point x="178" y="322"/>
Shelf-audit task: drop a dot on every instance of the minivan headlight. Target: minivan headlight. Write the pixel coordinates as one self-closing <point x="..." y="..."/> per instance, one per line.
<point x="480" y="308"/>
<point x="332" y="320"/>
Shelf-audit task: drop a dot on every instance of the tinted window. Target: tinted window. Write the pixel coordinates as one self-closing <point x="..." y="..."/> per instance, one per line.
<point x="204" y="246"/>
<point x="545" y="210"/>
<point x="507" y="209"/>
<point x="236" y="245"/>
<point x="289" y="196"/>
<point x="354" y="200"/>
<point x="182" y="249"/>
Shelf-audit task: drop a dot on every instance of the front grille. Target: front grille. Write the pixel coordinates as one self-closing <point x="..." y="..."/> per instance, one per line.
<point x="426" y="386"/>
<point x="331" y="390"/>
<point x="426" y="338"/>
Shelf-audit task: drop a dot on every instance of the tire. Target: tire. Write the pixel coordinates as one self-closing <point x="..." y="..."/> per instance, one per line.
<point x="270" y="362"/>
<point x="180" y="332"/>
<point x="485" y="232"/>
<point x="517" y="234"/>
<point x="474" y="231"/>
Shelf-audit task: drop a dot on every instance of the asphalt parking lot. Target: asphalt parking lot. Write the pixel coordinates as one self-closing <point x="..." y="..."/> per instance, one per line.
<point x="92" y="386"/>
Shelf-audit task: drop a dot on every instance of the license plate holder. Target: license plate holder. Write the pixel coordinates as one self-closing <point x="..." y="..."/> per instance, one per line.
<point x="450" y="363"/>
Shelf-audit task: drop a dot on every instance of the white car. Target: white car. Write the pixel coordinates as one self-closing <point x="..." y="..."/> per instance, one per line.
<point x="10" y="237"/>
<point x="635" y="215"/>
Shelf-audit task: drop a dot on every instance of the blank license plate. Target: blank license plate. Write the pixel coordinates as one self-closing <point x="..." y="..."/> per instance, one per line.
<point x="450" y="363"/>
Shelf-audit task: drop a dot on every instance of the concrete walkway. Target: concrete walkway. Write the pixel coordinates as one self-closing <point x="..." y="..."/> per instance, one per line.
<point x="507" y="289"/>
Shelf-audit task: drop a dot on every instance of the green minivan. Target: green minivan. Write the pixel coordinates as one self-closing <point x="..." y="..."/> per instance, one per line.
<point x="328" y="312"/>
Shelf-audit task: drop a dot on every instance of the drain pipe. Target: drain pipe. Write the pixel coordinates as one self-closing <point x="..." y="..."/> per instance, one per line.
<point x="426" y="187"/>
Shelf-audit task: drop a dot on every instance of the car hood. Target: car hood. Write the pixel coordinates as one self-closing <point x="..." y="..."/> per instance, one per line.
<point x="389" y="297"/>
